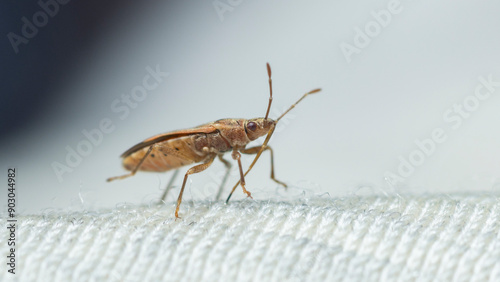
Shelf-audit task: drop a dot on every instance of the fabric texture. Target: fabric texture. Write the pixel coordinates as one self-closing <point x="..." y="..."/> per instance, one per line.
<point x="372" y="238"/>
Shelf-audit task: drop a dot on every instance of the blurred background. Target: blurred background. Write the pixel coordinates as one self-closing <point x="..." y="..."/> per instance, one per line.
<point x="410" y="100"/>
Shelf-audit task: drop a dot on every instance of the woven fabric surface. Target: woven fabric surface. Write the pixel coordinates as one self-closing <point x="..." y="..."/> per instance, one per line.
<point x="373" y="238"/>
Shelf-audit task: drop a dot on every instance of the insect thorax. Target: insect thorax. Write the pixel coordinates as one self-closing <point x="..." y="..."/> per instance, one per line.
<point x="213" y="141"/>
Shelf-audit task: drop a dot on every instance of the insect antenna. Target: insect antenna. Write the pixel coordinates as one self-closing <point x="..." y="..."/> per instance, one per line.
<point x="264" y="145"/>
<point x="270" y="90"/>
<point x="301" y="98"/>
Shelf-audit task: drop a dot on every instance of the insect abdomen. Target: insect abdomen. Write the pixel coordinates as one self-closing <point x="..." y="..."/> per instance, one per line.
<point x="166" y="155"/>
<point x="178" y="152"/>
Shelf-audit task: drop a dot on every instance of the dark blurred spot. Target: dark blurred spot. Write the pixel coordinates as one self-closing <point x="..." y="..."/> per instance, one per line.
<point x="30" y="75"/>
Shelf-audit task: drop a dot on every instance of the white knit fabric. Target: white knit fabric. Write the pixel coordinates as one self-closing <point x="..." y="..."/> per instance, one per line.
<point x="400" y="238"/>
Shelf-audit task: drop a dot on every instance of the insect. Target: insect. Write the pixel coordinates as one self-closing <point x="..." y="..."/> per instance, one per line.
<point x="202" y="144"/>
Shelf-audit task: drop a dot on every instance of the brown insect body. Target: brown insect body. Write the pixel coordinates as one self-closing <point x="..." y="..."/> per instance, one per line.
<point x="184" y="147"/>
<point x="202" y="144"/>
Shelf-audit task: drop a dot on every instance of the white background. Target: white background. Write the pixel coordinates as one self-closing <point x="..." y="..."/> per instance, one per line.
<point x="341" y="141"/>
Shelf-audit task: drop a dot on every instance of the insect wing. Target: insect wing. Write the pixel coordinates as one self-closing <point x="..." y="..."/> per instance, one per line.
<point x="168" y="136"/>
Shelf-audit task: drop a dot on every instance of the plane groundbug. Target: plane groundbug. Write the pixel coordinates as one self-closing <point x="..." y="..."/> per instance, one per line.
<point x="202" y="144"/>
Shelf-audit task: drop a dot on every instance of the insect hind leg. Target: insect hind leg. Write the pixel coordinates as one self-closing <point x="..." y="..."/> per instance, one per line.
<point x="135" y="169"/>
<point x="194" y="169"/>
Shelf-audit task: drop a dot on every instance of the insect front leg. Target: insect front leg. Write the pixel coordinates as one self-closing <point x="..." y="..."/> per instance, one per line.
<point x="237" y="156"/>
<point x="194" y="169"/>
<point x="135" y="169"/>
<point x="228" y="170"/>
<point x="255" y="150"/>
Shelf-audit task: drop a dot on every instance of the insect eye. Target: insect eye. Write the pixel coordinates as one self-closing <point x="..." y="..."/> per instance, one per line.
<point x="252" y="126"/>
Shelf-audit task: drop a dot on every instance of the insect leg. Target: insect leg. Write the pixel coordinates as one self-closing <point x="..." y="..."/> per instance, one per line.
<point x="237" y="156"/>
<point x="228" y="169"/>
<point x="169" y="185"/>
<point x="194" y="169"/>
<point x="166" y="149"/>
<point x="135" y="169"/>
<point x="255" y="150"/>
<point x="264" y="145"/>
